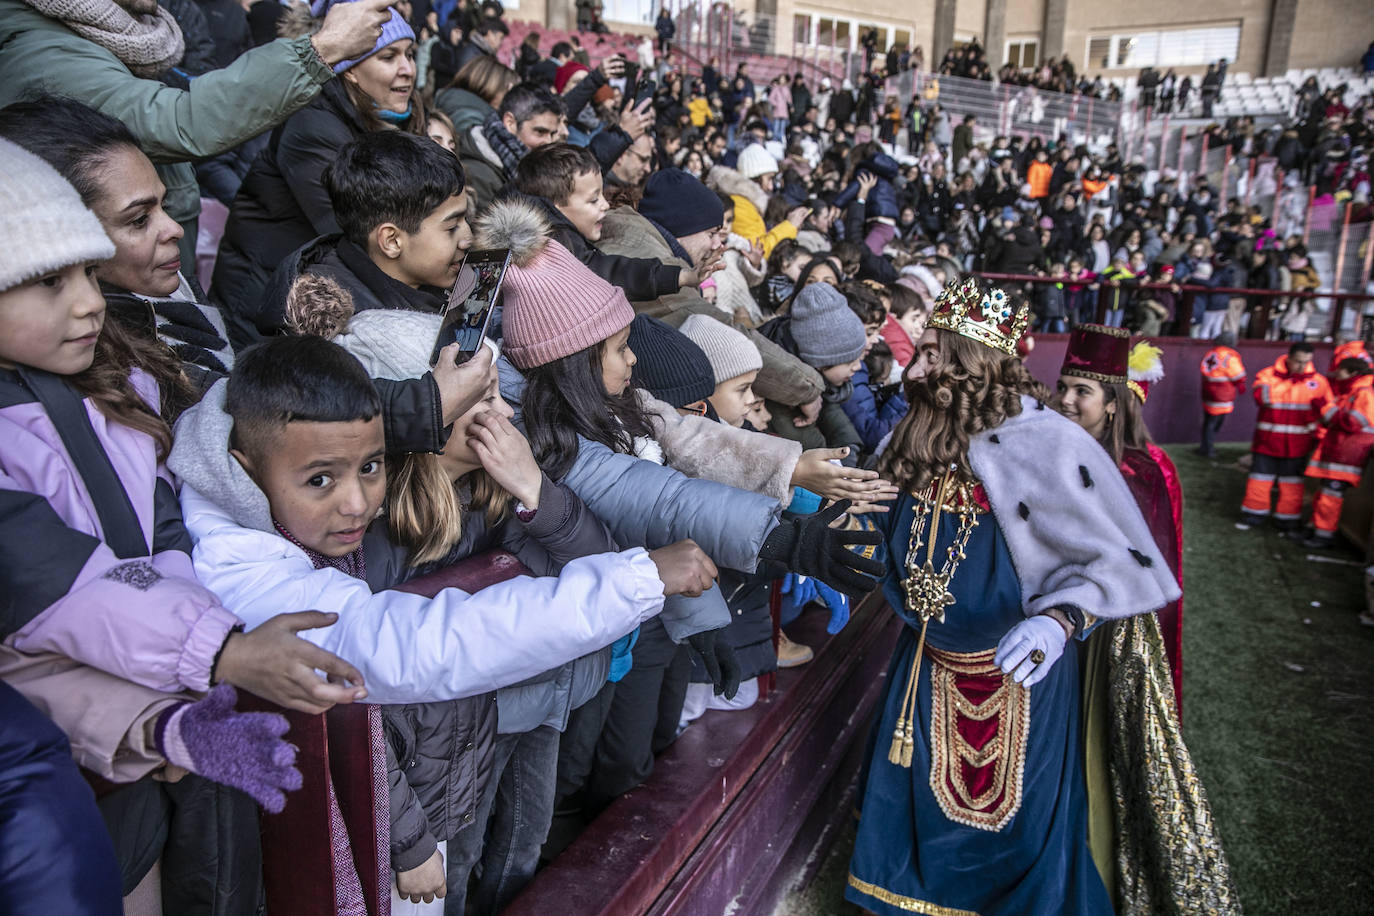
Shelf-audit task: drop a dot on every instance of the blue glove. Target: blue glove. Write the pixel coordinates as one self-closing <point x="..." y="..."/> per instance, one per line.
<point x="799" y="591"/>
<point x="1015" y="649"/>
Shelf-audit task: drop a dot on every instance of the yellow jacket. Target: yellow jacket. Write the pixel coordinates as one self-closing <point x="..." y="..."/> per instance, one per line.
<point x="700" y="110"/>
<point x="749" y="226"/>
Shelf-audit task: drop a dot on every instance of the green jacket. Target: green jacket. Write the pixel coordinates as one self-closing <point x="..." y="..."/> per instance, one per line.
<point x="222" y="109"/>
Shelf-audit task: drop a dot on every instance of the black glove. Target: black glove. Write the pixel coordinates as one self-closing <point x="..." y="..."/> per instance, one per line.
<point x="808" y="546"/>
<point x="722" y="667"/>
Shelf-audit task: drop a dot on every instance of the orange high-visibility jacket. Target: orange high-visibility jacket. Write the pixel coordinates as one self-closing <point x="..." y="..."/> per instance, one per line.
<point x="1038" y="177"/>
<point x="1289" y="407"/>
<point x="1223" y="378"/>
<point x="1351" y="348"/>
<point x="1349" y="421"/>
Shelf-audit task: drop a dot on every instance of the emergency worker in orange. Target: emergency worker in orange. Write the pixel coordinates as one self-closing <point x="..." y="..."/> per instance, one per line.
<point x="1341" y="455"/>
<point x="1348" y="346"/>
<point x="1223" y="379"/>
<point x="1291" y="395"/>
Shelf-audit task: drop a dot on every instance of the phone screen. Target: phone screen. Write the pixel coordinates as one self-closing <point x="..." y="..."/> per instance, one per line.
<point x="470" y="303"/>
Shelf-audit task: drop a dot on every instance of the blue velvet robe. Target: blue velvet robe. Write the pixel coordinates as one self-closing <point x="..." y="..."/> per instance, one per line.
<point x="911" y="857"/>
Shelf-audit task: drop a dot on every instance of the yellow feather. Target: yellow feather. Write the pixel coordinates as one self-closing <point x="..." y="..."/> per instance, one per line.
<point x="1146" y="362"/>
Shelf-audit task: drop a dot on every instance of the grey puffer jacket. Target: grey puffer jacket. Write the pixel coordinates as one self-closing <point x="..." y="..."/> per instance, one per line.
<point x="440" y="754"/>
<point x="647" y="504"/>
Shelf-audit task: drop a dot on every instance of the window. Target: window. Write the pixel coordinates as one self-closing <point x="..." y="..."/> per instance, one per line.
<point x="1023" y="54"/>
<point x="902" y="39"/>
<point x="1168" y="48"/>
<point x="801" y="28"/>
<point x="1099" y="53"/>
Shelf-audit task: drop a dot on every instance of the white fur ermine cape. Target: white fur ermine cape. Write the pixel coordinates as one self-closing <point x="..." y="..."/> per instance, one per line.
<point x="1073" y="529"/>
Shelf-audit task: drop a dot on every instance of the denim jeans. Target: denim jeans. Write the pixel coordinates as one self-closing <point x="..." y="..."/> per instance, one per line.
<point x="1114" y="316"/>
<point x="780" y="129"/>
<point x="1055" y="326"/>
<point x="512" y="818"/>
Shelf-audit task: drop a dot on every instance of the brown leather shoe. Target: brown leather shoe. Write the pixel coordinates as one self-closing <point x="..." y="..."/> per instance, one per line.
<point x="791" y="654"/>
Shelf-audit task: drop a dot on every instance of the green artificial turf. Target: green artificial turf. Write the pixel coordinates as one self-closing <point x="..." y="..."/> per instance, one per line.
<point x="1278" y="710"/>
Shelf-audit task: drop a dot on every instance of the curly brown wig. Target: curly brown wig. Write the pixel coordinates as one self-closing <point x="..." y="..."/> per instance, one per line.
<point x="973" y="388"/>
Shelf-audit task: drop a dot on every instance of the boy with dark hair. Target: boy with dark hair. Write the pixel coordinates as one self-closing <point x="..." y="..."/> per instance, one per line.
<point x="565" y="181"/>
<point x="401" y="202"/>
<point x="284" y="473"/>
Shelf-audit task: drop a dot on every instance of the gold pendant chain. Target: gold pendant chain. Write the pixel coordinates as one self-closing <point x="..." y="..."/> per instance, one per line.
<point x="927" y="591"/>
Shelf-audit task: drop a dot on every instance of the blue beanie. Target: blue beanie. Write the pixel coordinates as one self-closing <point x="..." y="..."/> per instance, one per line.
<point x="681" y="204"/>
<point x="396" y="29"/>
<point x="825" y="328"/>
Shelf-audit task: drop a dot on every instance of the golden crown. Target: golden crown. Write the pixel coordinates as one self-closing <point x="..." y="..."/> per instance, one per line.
<point x="987" y="317"/>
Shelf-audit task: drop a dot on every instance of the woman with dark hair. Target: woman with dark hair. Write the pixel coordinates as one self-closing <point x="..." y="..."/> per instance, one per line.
<point x="143" y="283"/>
<point x="820" y="269"/>
<point x="1014" y="534"/>
<point x="282" y="203"/>
<point x="1133" y="668"/>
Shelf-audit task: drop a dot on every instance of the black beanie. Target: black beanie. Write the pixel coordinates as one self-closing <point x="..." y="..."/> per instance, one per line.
<point x="681" y="204"/>
<point x="667" y="364"/>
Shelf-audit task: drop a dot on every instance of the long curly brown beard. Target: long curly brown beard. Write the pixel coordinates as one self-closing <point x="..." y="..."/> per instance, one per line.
<point x="974" y="388"/>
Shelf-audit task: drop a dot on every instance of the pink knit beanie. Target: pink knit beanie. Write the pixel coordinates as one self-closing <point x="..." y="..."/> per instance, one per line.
<point x="553" y="305"/>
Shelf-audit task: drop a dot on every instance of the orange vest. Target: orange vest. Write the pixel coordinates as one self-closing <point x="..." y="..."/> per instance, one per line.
<point x="1223" y="377"/>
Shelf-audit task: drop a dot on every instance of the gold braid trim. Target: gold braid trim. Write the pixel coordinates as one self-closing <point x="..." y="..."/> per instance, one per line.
<point x="1005" y="752"/>
<point x="909" y="904"/>
<point x="1095" y="376"/>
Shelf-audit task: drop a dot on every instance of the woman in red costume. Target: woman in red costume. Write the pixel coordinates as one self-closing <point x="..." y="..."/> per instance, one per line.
<point x="1132" y="668"/>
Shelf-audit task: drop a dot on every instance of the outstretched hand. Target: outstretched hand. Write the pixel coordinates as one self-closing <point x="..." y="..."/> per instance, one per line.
<point x="272" y="662"/>
<point x="817" y="472"/>
<point x="809" y="546"/>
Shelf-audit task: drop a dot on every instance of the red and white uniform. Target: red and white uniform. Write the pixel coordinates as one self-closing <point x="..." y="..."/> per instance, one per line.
<point x="1223" y="379"/>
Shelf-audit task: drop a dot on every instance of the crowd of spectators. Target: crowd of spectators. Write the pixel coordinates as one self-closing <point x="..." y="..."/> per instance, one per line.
<point x="713" y="289"/>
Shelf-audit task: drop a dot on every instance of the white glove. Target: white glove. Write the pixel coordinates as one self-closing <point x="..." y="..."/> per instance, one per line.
<point x="1014" y="650"/>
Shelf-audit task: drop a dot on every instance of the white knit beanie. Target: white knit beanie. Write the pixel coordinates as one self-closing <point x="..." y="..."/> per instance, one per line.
<point x="754" y="161"/>
<point x="44" y="226"/>
<point x="730" y="353"/>
<point x="394" y="344"/>
<point x="391" y="343"/>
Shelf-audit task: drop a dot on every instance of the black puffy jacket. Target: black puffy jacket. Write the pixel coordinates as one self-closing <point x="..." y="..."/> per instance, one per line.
<point x="281" y="205"/>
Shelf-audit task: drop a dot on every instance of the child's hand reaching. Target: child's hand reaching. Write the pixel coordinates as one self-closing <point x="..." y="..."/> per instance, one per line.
<point x="816" y="472"/>
<point x="461" y="387"/>
<point x="424" y="883"/>
<point x="506" y="456"/>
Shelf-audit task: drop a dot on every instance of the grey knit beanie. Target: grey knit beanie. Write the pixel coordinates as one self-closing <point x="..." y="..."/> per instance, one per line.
<point x="826" y="330"/>
<point x="730" y="352"/>
<point x="44" y="226"/>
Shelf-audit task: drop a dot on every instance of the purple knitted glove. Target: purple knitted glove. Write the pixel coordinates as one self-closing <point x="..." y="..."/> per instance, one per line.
<point x="242" y="750"/>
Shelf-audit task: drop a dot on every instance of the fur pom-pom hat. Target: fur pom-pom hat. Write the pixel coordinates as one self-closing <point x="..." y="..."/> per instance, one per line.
<point x="552" y="305"/>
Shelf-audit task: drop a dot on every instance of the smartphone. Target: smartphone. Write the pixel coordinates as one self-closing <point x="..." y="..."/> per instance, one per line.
<point x="631" y="81"/>
<point x="471" y="301"/>
<point x="645" y="90"/>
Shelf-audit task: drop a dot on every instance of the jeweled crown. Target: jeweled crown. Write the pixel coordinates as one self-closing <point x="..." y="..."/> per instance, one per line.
<point x="987" y="317"/>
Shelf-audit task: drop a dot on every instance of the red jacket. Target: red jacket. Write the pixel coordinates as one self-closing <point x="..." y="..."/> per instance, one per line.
<point x="1223" y="378"/>
<point x="1350" y="432"/>
<point x="1289" y="408"/>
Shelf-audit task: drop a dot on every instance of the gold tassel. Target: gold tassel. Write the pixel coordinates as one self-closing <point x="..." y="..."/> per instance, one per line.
<point x="894" y="753"/>
<point x="904" y="735"/>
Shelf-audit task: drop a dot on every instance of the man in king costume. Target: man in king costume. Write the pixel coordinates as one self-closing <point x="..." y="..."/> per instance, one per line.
<point x="1013" y="535"/>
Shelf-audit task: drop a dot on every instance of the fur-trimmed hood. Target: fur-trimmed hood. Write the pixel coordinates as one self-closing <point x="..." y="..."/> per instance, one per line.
<point x="728" y="181"/>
